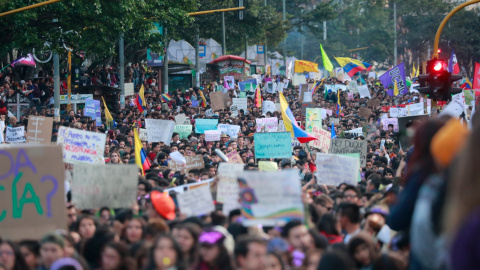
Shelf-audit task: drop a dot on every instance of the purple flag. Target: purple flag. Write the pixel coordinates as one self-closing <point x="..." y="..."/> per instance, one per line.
<point x="395" y="74"/>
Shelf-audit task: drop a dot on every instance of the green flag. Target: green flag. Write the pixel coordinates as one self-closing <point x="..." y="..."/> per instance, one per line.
<point x="326" y="62"/>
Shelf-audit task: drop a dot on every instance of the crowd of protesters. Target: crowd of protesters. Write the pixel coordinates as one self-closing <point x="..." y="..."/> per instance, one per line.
<point x="414" y="208"/>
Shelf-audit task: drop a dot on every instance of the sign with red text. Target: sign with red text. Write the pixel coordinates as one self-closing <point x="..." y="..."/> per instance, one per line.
<point x="81" y="146"/>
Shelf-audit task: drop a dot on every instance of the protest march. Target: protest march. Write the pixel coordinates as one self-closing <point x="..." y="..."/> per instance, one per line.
<point x="296" y="167"/>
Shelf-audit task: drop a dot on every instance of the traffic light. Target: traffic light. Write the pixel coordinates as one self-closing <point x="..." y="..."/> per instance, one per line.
<point x="437" y="83"/>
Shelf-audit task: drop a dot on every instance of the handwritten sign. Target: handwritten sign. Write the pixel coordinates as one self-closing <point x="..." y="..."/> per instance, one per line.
<point x="268" y="106"/>
<point x="81" y="146"/>
<point x="143" y="135"/>
<point x="95" y="186"/>
<point x="314" y="115"/>
<point x="415" y="109"/>
<point x="456" y="107"/>
<point x="227" y="188"/>
<point x="33" y="196"/>
<point x="273" y="145"/>
<point x="230" y="130"/>
<point x="205" y="124"/>
<point x="183" y="130"/>
<point x="241" y="103"/>
<point x="93" y="110"/>
<point x="234" y="157"/>
<point x="196" y="202"/>
<point x="267" y="166"/>
<point x="270" y="198"/>
<point x="39" y="129"/>
<point x="216" y="99"/>
<point x="364" y="112"/>
<point x="212" y="135"/>
<point x="388" y="121"/>
<point x="323" y="137"/>
<point x="336" y="169"/>
<point x="15" y="134"/>
<point x="267" y="124"/>
<point x="193" y="162"/>
<point x="364" y="92"/>
<point x="159" y="130"/>
<point x="180" y="119"/>
<point x="343" y="146"/>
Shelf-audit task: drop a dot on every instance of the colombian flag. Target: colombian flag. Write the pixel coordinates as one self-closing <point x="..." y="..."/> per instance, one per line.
<point x="352" y="66"/>
<point x="467" y="84"/>
<point x="204" y="101"/>
<point x="339" y="104"/>
<point x="291" y="124"/>
<point x="140" y="100"/>
<point x="140" y="156"/>
<point x="166" y="97"/>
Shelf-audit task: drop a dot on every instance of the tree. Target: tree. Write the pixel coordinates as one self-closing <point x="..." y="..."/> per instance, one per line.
<point x="92" y="26"/>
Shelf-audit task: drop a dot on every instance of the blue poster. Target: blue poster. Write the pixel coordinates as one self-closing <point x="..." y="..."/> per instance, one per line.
<point x="273" y="145"/>
<point x="205" y="124"/>
<point x="90" y="108"/>
<point x="242" y="84"/>
<point x="98" y="113"/>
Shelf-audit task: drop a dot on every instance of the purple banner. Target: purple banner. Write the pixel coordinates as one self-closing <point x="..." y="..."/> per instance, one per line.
<point x="395" y="74"/>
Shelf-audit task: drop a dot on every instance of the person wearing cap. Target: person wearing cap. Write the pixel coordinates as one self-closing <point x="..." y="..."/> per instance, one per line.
<point x="161" y="206"/>
<point x="224" y="138"/>
<point x="51" y="249"/>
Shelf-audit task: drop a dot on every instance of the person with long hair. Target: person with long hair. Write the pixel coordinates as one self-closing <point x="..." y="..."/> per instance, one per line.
<point x="86" y="226"/>
<point x="165" y="254"/>
<point x="187" y="234"/>
<point x="30" y="250"/>
<point x="363" y="250"/>
<point x="115" y="158"/>
<point x="213" y="254"/>
<point x="329" y="227"/>
<point x="11" y="257"/>
<point x="135" y="230"/>
<point x="115" y="256"/>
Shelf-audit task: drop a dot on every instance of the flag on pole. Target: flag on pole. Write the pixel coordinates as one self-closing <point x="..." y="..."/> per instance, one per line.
<point x="339" y="104"/>
<point x="108" y="117"/>
<point x="258" y="97"/>
<point x="352" y="66"/>
<point x="395" y="89"/>
<point x="291" y="124"/>
<point x="25" y="61"/>
<point x="333" y="135"/>
<point x="140" y="156"/>
<point x="204" y="101"/>
<point x="140" y="100"/>
<point x="418" y="70"/>
<point x="326" y="62"/>
<point x="453" y="64"/>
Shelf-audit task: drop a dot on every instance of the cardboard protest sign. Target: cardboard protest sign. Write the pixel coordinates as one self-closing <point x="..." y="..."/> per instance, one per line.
<point x="364" y="92"/>
<point x="15" y="134"/>
<point x="241" y="103"/>
<point x="39" y="129"/>
<point x="227" y="187"/>
<point x="32" y="187"/>
<point x="334" y="120"/>
<point x="364" y="112"/>
<point x="415" y="109"/>
<point x="336" y="169"/>
<point x="270" y="198"/>
<point x="342" y="146"/>
<point x="234" y="157"/>
<point x="187" y="187"/>
<point x="183" y="130"/>
<point x="307" y="97"/>
<point x="357" y="157"/>
<point x="216" y="99"/>
<point x="95" y="186"/>
<point x="180" y="119"/>
<point x="193" y="162"/>
<point x="266" y="124"/>
<point x="143" y="134"/>
<point x="212" y="135"/>
<point x="273" y="145"/>
<point x="230" y="130"/>
<point x="196" y="202"/>
<point x="388" y="121"/>
<point x="303" y="88"/>
<point x="81" y="146"/>
<point x="205" y="124"/>
<point x="456" y="106"/>
<point x="267" y="166"/>
<point x="159" y="130"/>
<point x="322" y="135"/>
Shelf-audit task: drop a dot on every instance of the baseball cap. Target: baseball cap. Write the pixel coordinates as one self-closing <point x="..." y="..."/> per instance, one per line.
<point x="163" y="204"/>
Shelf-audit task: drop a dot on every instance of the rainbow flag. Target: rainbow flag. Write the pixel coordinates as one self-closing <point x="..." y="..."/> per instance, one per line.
<point x="166" y="97"/>
<point x="291" y="124"/>
<point x="317" y="85"/>
<point x="140" y="156"/>
<point x="352" y="66"/>
<point x="108" y="116"/>
<point x="204" y="101"/>
<point x="258" y="97"/>
<point x="140" y="100"/>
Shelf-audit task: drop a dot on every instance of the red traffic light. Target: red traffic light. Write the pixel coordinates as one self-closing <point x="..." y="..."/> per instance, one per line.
<point x="438" y="66"/>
